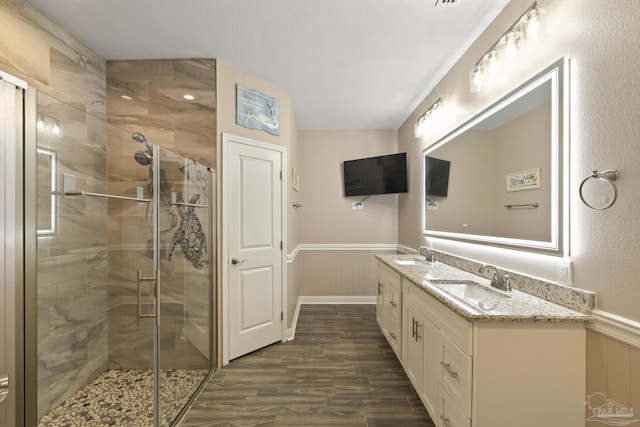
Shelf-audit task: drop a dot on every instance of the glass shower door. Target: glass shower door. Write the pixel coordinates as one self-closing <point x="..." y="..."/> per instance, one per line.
<point x="183" y="250"/>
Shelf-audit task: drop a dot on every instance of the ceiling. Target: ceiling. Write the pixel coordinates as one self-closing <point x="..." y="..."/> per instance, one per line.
<point x="347" y="64"/>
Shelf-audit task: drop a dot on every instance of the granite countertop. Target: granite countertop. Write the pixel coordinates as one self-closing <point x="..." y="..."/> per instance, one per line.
<point x="519" y="307"/>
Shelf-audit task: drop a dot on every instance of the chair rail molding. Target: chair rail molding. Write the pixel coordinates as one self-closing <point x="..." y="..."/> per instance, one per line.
<point x="340" y="247"/>
<point x="616" y="327"/>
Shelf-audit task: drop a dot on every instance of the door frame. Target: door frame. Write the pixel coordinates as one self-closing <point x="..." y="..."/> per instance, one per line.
<point x="228" y="139"/>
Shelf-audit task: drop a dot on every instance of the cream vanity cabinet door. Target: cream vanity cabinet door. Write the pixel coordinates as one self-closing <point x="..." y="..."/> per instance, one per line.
<point x="421" y="347"/>
<point x="389" y="309"/>
<point x="413" y="342"/>
<point x="529" y="374"/>
<point x="380" y="306"/>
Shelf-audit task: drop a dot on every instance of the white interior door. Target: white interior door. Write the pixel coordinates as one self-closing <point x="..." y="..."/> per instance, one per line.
<point x="253" y="239"/>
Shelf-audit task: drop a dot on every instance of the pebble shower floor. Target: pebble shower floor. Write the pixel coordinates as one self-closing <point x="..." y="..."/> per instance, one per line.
<point x="114" y="399"/>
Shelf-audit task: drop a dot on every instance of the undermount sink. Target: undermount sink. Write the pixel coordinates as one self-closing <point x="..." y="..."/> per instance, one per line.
<point x="409" y="261"/>
<point x="472" y="293"/>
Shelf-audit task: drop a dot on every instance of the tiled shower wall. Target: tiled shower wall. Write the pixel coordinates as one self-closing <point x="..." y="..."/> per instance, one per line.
<point x="147" y="96"/>
<point x="72" y="259"/>
<point x="71" y="302"/>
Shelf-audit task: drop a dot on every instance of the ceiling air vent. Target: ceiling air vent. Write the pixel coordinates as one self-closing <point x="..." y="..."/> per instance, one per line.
<point x="445" y="2"/>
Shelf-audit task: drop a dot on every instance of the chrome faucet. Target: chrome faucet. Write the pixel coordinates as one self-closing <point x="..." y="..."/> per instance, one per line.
<point x="498" y="280"/>
<point x="429" y="256"/>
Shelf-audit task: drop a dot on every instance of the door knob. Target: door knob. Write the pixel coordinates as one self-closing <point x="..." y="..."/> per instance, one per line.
<point x="235" y="261"/>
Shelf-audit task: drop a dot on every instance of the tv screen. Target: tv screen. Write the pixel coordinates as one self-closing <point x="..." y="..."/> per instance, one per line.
<point x="436" y="177"/>
<point x="376" y="175"/>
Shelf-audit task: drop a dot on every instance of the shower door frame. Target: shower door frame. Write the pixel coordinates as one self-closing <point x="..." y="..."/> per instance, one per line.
<point x="18" y="329"/>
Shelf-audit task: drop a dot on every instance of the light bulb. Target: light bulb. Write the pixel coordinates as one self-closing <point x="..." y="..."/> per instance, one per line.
<point x="40" y="123"/>
<point x="510" y="43"/>
<point x="57" y="131"/>
<point x="419" y="127"/>
<point x="532" y="23"/>
<point x="491" y="60"/>
<point x="476" y="78"/>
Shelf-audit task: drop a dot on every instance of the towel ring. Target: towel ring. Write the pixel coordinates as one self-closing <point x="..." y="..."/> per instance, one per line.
<point x="608" y="176"/>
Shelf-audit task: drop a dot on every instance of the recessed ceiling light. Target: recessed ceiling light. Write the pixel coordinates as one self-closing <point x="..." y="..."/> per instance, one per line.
<point x="126" y="97"/>
<point x="189" y="97"/>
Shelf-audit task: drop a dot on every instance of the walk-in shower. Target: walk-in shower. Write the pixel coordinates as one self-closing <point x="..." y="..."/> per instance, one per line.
<point x="124" y="312"/>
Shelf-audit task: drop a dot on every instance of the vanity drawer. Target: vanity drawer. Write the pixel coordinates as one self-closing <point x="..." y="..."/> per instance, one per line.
<point x="458" y="330"/>
<point x="448" y="414"/>
<point x="456" y="375"/>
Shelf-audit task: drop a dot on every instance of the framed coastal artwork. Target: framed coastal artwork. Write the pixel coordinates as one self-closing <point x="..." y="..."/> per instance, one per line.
<point x="523" y="180"/>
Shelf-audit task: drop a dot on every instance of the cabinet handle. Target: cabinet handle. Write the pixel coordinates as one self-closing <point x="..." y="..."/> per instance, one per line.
<point x="393" y="303"/>
<point x="413" y="327"/>
<point x="445" y="421"/>
<point x="393" y="335"/>
<point x="447" y="367"/>
<point x="379" y="288"/>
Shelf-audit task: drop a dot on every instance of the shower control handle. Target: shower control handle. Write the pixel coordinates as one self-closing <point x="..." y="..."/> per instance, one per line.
<point x="235" y="261"/>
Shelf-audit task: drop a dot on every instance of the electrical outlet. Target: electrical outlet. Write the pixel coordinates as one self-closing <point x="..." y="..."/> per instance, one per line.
<point x="564" y="272"/>
<point x="357" y="205"/>
<point x="432" y="205"/>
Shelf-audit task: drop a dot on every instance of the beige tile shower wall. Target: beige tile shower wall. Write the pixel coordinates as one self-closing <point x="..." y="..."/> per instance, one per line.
<point x="72" y="263"/>
<point x="147" y="96"/>
<point x="613" y="369"/>
<point x="37" y="50"/>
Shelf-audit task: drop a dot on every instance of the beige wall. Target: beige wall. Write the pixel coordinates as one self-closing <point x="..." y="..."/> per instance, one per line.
<point x="601" y="40"/>
<point x="330" y="263"/>
<point x="227" y="78"/>
<point x="327" y="216"/>
<point x="517" y="146"/>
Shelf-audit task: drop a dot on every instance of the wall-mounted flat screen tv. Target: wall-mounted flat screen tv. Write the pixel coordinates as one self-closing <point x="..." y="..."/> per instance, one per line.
<point x="376" y="175"/>
<point x="436" y="177"/>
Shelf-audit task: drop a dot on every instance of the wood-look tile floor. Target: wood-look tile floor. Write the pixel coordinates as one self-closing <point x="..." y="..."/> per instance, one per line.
<point x="339" y="370"/>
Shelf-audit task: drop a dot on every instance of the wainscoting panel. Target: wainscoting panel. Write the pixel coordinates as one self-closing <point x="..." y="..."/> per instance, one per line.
<point x="329" y="272"/>
<point x="613" y="380"/>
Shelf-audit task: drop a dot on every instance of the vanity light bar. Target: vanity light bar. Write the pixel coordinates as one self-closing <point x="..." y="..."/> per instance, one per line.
<point x="430" y="115"/>
<point x="524" y="28"/>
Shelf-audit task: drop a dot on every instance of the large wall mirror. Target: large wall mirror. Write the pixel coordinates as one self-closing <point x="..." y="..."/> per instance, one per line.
<point x="498" y="178"/>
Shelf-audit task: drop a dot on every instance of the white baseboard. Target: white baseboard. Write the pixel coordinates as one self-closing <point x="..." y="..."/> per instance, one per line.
<point x="616" y="327"/>
<point x="326" y="300"/>
<point x="338" y="300"/>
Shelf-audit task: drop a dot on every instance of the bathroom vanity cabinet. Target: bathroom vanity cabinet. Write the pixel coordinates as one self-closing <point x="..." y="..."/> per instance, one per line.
<point x="389" y="307"/>
<point x="484" y="373"/>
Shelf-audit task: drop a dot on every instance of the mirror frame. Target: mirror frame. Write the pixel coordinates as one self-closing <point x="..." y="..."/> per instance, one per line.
<point x="557" y="74"/>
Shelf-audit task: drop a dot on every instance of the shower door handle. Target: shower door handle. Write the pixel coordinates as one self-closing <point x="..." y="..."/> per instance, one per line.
<point x="4" y="387"/>
<point x="156" y="280"/>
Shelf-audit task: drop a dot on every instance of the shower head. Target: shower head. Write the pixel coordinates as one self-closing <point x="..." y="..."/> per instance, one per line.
<point x="143" y="157"/>
<point x="137" y="136"/>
